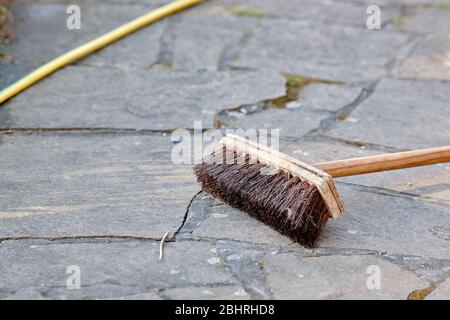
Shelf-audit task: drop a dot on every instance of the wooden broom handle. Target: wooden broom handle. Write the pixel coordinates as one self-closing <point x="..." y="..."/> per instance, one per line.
<point x="384" y="162"/>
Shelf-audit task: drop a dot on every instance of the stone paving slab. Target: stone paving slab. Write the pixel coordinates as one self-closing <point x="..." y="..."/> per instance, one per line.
<point x="292" y="122"/>
<point x="105" y="197"/>
<point x="430" y="60"/>
<point x="196" y="40"/>
<point x="432" y="270"/>
<point x="338" y="277"/>
<point x="36" y="42"/>
<point x="322" y="11"/>
<point x="24" y="294"/>
<point x="401" y="114"/>
<point x="318" y="51"/>
<point x="430" y="182"/>
<point x="139" y="50"/>
<point x="225" y="222"/>
<point x="229" y="292"/>
<point x="316" y="103"/>
<point x="87" y="185"/>
<point x="329" y="97"/>
<point x="243" y="261"/>
<point x="182" y="47"/>
<point x="206" y="39"/>
<point x="374" y="221"/>
<point x="108" y="270"/>
<point x="384" y="222"/>
<point x="432" y="19"/>
<point x="156" y="100"/>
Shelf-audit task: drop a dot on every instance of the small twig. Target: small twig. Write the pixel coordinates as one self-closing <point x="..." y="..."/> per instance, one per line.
<point x="161" y="244"/>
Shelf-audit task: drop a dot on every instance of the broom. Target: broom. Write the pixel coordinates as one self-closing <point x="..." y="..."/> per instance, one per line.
<point x="292" y="197"/>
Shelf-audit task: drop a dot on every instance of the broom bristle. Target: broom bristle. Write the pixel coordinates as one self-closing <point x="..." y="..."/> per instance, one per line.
<point x="285" y="202"/>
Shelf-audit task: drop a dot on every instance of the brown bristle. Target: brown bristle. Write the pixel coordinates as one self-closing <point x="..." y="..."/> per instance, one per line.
<point x="286" y="203"/>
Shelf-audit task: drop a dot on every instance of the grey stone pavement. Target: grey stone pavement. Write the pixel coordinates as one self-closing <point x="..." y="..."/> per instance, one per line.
<point x="86" y="177"/>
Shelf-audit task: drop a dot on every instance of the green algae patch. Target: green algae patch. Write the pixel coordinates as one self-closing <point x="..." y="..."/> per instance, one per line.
<point x="238" y="11"/>
<point x="420" y="294"/>
<point x="444" y="6"/>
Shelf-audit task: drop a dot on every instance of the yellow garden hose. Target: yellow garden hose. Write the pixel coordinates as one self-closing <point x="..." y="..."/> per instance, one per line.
<point x="93" y="46"/>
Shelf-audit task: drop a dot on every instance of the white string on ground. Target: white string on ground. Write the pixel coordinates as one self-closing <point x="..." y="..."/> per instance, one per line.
<point x="161" y="244"/>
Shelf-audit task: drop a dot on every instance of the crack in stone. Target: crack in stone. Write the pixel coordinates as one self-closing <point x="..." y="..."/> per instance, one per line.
<point x="294" y="85"/>
<point x="9" y="291"/>
<point x="81" y="239"/>
<point x="186" y="215"/>
<point x="399" y="20"/>
<point x="344" y="112"/>
<point x="268" y="16"/>
<point x="321" y="251"/>
<point x="416" y="264"/>
<point x="215" y="240"/>
<point x="161" y="291"/>
<point x="369" y="145"/>
<point x="325" y="251"/>
<point x="165" y="57"/>
<point x="410" y="9"/>
<point x="198" y="210"/>
<point x="244" y="261"/>
<point x="244" y="264"/>
<point x="197" y="285"/>
<point x="29" y="131"/>
<point x="433" y="270"/>
<point x="394" y="193"/>
<point x="380" y="190"/>
<point x="46" y="292"/>
<point x="404" y="53"/>
<point x="331" y="251"/>
<point x="231" y="52"/>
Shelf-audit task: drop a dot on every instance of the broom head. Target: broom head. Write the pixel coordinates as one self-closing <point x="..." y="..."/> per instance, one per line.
<point x="292" y="197"/>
